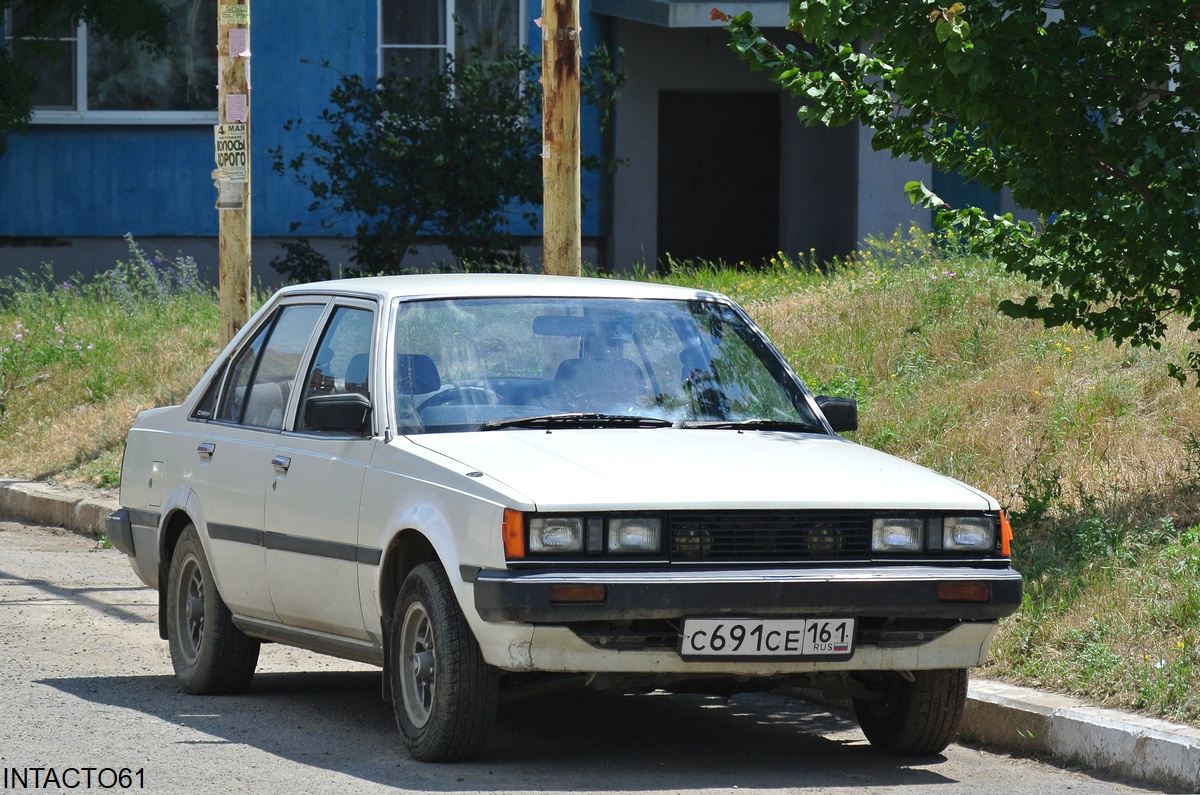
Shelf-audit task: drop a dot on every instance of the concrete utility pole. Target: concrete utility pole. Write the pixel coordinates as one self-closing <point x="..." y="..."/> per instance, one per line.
<point x="233" y="164"/>
<point x="560" y="138"/>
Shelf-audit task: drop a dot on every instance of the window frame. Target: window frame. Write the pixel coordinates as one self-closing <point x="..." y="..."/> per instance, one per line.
<point x="211" y="401"/>
<point x="80" y="114"/>
<point x="384" y="50"/>
<point x="254" y="381"/>
<point x="336" y="304"/>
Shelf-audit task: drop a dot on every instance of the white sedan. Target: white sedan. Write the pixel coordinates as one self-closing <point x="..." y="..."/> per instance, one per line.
<point x="500" y="483"/>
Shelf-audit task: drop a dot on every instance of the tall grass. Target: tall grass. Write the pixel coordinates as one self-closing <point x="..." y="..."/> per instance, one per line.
<point x="79" y="359"/>
<point x="1093" y="450"/>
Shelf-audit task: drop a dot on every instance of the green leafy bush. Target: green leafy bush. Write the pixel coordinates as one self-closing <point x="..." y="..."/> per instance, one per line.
<point x="454" y="152"/>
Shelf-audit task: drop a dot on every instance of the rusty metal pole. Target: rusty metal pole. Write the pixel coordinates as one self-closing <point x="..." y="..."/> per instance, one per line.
<point x="561" y="238"/>
<point x="233" y="164"/>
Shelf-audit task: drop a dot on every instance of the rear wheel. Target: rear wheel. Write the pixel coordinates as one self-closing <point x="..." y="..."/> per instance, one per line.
<point x="443" y="692"/>
<point x="916" y="718"/>
<point x="210" y="655"/>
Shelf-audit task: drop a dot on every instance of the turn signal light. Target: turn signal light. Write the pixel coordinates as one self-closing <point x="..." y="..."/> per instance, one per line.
<point x="964" y="592"/>
<point x="514" y="534"/>
<point x="576" y="594"/>
<point x="1006" y="536"/>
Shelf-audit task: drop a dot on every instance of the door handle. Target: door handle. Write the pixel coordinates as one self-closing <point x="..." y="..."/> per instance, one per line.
<point x="281" y="463"/>
<point x="206" y="450"/>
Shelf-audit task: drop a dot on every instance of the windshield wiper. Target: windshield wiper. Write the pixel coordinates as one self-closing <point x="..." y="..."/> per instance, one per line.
<point x="757" y="424"/>
<point x="577" y="420"/>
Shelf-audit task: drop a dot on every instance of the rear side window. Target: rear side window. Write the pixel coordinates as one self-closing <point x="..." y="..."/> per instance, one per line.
<point x="262" y="374"/>
<point x="208" y="404"/>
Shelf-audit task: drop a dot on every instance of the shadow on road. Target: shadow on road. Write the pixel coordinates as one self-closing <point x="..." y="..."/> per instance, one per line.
<point x="575" y="741"/>
<point x="90" y="597"/>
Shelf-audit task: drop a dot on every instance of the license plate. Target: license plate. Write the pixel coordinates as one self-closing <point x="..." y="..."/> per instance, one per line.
<point x="749" y="638"/>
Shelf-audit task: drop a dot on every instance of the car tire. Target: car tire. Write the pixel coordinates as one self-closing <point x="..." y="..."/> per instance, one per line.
<point x="443" y="692"/>
<point x="917" y="718"/>
<point x="210" y="655"/>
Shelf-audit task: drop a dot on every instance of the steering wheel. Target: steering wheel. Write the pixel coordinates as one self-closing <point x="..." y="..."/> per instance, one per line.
<point x="461" y="396"/>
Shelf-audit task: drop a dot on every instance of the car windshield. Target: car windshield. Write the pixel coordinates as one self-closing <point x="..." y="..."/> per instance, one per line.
<point x="489" y="363"/>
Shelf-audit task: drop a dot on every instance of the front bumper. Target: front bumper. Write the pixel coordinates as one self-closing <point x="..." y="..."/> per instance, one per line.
<point x="559" y="649"/>
<point x="878" y="591"/>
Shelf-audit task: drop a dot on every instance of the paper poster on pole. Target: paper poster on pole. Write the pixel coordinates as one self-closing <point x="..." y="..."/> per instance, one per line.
<point x="233" y="159"/>
<point x="239" y="42"/>
<point x="234" y="15"/>
<point x="230" y="194"/>
<point x="237" y="107"/>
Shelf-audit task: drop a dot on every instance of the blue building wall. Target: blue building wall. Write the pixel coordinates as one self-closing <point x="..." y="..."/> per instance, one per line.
<point x="290" y="40"/>
<point x="93" y="180"/>
<point x="104" y="180"/>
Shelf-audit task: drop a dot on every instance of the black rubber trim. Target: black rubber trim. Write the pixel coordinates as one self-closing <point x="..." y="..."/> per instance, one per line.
<point x="118" y="529"/>
<point x="236" y="534"/>
<point x="310" y="546"/>
<point x="910" y="592"/>
<point x="139" y="518"/>
<point x="319" y="548"/>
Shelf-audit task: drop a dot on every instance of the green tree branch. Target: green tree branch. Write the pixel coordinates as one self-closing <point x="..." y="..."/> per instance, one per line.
<point x="1087" y="111"/>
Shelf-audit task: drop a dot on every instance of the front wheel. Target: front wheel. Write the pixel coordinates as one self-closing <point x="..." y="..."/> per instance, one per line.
<point x="916" y="718"/>
<point x="210" y="655"/>
<point x="443" y="692"/>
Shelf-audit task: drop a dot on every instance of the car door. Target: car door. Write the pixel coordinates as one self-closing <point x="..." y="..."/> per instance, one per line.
<point x="231" y="452"/>
<point x="312" y="507"/>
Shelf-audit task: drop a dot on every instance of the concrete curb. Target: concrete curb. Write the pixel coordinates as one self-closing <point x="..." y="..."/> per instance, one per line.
<point x="1005" y="717"/>
<point x="1025" y="721"/>
<point x="80" y="510"/>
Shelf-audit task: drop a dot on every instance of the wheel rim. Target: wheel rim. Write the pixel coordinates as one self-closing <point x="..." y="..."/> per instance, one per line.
<point x="418" y="664"/>
<point x="190" y="609"/>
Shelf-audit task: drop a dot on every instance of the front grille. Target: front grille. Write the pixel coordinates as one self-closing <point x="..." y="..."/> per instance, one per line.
<point x="712" y="536"/>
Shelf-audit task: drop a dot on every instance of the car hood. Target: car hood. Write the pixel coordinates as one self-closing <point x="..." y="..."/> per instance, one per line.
<point x="699" y="468"/>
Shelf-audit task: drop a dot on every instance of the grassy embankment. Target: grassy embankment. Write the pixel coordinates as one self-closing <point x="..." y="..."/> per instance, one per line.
<point x="1093" y="449"/>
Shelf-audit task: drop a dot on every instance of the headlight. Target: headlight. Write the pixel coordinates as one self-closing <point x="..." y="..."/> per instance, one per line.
<point x="636" y="535"/>
<point x="968" y="533"/>
<point x="897" y="534"/>
<point x="550" y="534"/>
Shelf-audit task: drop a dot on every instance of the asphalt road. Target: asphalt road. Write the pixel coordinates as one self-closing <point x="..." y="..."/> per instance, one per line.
<point x="86" y="690"/>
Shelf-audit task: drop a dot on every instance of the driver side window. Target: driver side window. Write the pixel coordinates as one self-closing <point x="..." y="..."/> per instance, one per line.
<point x="340" y="367"/>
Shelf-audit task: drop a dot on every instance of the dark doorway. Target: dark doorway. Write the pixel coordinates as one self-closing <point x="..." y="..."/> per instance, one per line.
<point x="718" y="176"/>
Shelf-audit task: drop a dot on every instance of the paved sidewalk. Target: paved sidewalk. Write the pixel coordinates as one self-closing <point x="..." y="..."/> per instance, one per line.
<point x="1015" y="719"/>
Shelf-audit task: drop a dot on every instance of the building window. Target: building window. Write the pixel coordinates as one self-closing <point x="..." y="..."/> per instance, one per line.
<point x="82" y="77"/>
<point x="417" y="35"/>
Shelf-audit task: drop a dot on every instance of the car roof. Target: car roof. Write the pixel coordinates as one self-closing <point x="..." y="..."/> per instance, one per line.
<point x="480" y="285"/>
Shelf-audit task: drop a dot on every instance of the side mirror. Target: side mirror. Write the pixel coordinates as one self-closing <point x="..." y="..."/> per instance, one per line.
<point x="346" y="413"/>
<point x="842" y="413"/>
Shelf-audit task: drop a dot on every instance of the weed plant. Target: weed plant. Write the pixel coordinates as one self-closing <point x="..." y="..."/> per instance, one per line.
<point x="79" y="359"/>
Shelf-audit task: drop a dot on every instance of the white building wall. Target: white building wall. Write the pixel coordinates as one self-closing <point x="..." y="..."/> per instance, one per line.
<point x="660" y="59"/>
<point x="883" y="207"/>
<point x="835" y="190"/>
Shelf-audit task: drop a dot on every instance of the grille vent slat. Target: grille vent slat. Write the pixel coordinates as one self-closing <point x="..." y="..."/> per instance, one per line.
<point x="700" y="536"/>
